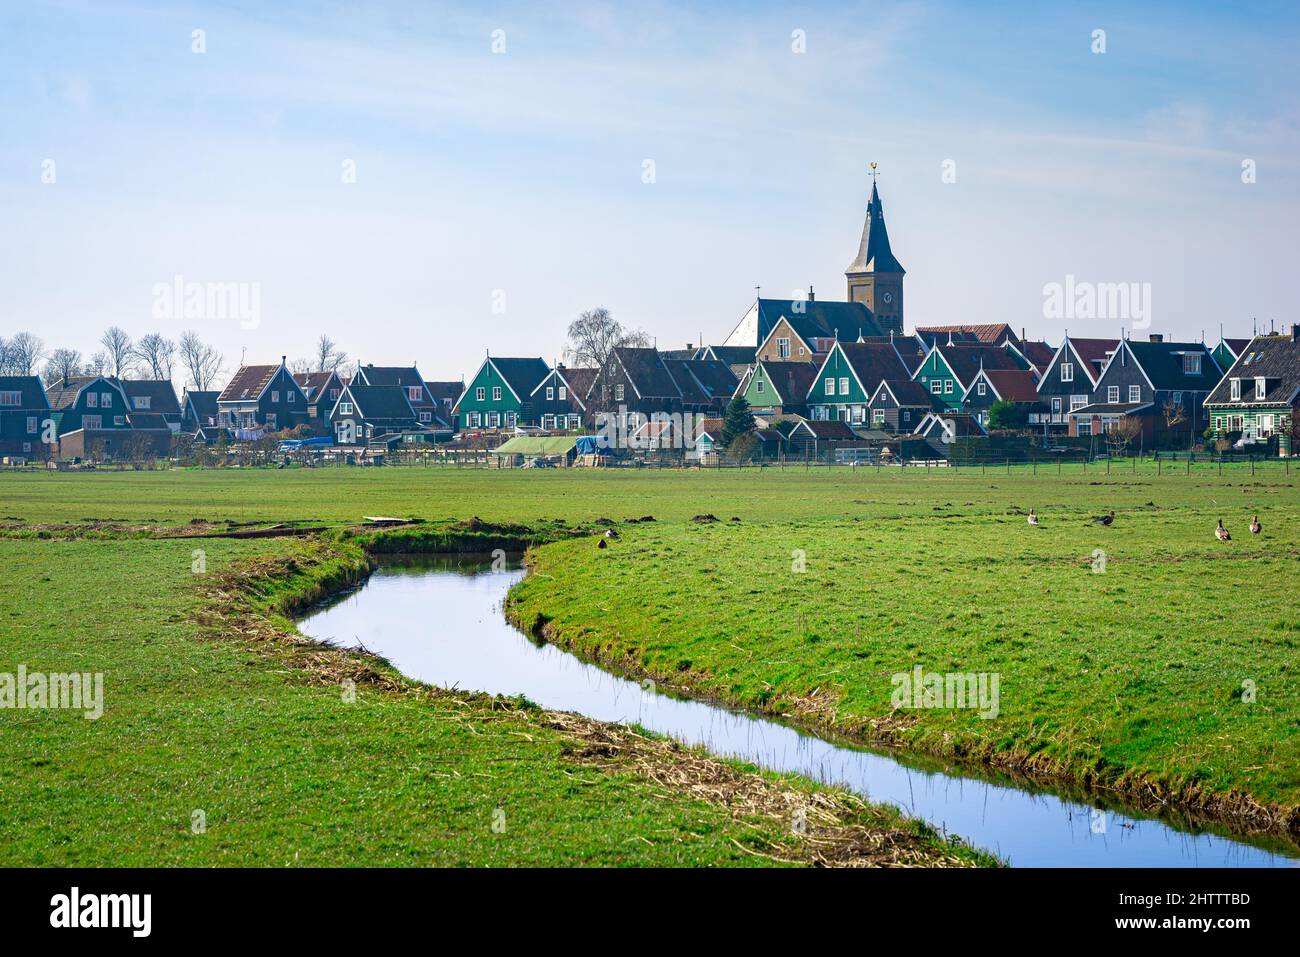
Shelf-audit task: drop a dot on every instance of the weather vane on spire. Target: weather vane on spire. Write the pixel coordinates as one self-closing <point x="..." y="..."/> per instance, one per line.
<point x="874" y="173"/>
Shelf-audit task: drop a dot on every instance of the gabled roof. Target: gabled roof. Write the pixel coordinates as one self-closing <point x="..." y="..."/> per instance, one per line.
<point x="825" y="430"/>
<point x="713" y="376"/>
<point x="444" y="391"/>
<point x="1092" y="354"/>
<point x="990" y="333"/>
<point x="909" y="349"/>
<point x="380" y="402"/>
<point x="730" y="355"/>
<point x="63" y="394"/>
<point x="312" y="382"/>
<point x="929" y="340"/>
<point x="31" y="389"/>
<point x="1234" y="346"/>
<point x="160" y="393"/>
<point x="791" y="380"/>
<point x="810" y="319"/>
<point x="874" y="254"/>
<point x="965" y="361"/>
<point x="521" y="374"/>
<point x="248" y="384"/>
<point x="955" y="424"/>
<point x="906" y="392"/>
<point x="403" y="376"/>
<point x="1036" y="352"/>
<point x="1162" y="362"/>
<point x="1011" y="385"/>
<point x="871" y="363"/>
<point x="203" y="403"/>
<point x="148" y="422"/>
<point x="647" y="372"/>
<point x="1276" y="359"/>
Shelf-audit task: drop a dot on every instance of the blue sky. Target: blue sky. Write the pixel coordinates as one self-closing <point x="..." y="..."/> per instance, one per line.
<point x="481" y="173"/>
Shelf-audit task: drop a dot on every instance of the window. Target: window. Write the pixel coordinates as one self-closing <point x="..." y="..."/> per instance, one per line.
<point x="1178" y="398"/>
<point x="783" y="348"/>
<point x="31" y="425"/>
<point x="106" y="400"/>
<point x="270" y="421"/>
<point x="618" y="392"/>
<point x="480" y="394"/>
<point x="474" y="420"/>
<point x="801" y="352"/>
<point x="564" y="393"/>
<point x="1056" y="404"/>
<point x="290" y="396"/>
<point x="758" y="386"/>
<point x="1135" y="393"/>
<point x="844" y="386"/>
<point x="142" y="401"/>
<point x="1236" y="389"/>
<point x="980" y="388"/>
<point x="877" y="416"/>
<point x="830" y="386"/>
<point x="11" y="398"/>
<point x="1112" y="394"/>
<point x="91" y="422"/>
<point x="1265" y="426"/>
<point x="345" y="408"/>
<point x="575" y="421"/>
<point x="550" y="393"/>
<point x="275" y="395"/>
<point x="426" y="416"/>
<point x="1261" y="387"/>
<point x="92" y="400"/>
<point x="1084" y="426"/>
<point x="493" y="420"/>
<point x="510" y="419"/>
<point x="1078" y="402"/>
<point x="496" y="393"/>
<point x="119" y="420"/>
<point x="1067" y="371"/>
<point x="936" y="387"/>
<point x="947" y="387"/>
<point x="27" y="446"/>
<point x="1191" y="363"/>
<point x="415" y="393"/>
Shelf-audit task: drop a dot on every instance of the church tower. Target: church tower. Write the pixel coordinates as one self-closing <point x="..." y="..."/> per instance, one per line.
<point x="875" y="277"/>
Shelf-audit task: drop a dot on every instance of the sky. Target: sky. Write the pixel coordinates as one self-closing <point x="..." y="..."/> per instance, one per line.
<point x="427" y="182"/>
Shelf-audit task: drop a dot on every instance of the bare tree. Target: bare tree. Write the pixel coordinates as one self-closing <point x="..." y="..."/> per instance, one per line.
<point x="1122" y="433"/>
<point x="62" y="364"/>
<point x="594" y="336"/>
<point x="329" y="357"/>
<point x="156" y="353"/>
<point x="98" y="364"/>
<point x="302" y="365"/>
<point x="4" y="356"/>
<point x="1174" y="414"/>
<point x="201" y="361"/>
<point x="118" y="349"/>
<point x="23" y="353"/>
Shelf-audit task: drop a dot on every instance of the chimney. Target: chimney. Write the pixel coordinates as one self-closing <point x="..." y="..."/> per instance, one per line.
<point x="690" y="346"/>
<point x="282" y="361"/>
<point x="1295" y="332"/>
<point x="1157" y="337"/>
<point x="812" y="296"/>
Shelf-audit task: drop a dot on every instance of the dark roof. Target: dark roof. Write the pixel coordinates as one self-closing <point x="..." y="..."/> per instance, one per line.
<point x="580" y="381"/>
<point x="959" y="424"/>
<point x="874" y="253"/>
<point x="445" y="390"/>
<point x="1277" y="359"/>
<point x="148" y="421"/>
<point x="908" y="392"/>
<point x="1013" y="385"/>
<point x="1235" y="346"/>
<point x="381" y="402"/>
<point x="791" y="380"/>
<point x="826" y="430"/>
<point x="1039" y="353"/>
<point x="1112" y="408"/>
<point x="647" y="372"/>
<point x="1094" y="354"/>
<point x="404" y="376"/>
<point x="936" y="337"/>
<point x="64" y="392"/>
<point x="714" y="376"/>
<point x="160" y="392"/>
<point x="205" y="403"/>
<point x="818" y="319"/>
<point x="310" y="382"/>
<point x="33" y="395"/>
<point x="965" y="361"/>
<point x="731" y="355"/>
<point x="248" y="383"/>
<point x="522" y="375"/>
<point x="991" y="333"/>
<point x="1163" y="364"/>
<point x="872" y="363"/>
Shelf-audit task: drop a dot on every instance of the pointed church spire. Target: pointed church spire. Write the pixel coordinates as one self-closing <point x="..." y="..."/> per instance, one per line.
<point x="874" y="254"/>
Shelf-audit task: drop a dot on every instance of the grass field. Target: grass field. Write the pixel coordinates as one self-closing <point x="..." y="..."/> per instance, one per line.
<point x="1131" y="674"/>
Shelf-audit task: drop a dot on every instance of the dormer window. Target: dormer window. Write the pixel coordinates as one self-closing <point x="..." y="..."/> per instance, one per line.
<point x="1191" y="363"/>
<point x="415" y="393"/>
<point x="1261" y="388"/>
<point x="1236" y="390"/>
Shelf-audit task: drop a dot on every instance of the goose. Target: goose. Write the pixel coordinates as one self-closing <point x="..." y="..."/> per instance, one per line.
<point x="610" y="533"/>
<point x="1221" y="533"/>
<point x="1033" y="518"/>
<point x="1104" y="519"/>
<point x="1255" y="527"/>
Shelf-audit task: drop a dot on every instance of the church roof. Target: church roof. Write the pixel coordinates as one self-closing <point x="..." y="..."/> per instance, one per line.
<point x="874" y="254"/>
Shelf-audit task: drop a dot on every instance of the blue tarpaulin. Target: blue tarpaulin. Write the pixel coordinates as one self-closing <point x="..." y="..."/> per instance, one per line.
<point x="593" y="445"/>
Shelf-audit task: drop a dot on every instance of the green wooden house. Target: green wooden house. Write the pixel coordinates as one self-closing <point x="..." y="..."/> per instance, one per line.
<point x="778" y="388"/>
<point x="1259" y="396"/>
<point x="848" y="378"/>
<point x="950" y="368"/>
<point x="500" y="395"/>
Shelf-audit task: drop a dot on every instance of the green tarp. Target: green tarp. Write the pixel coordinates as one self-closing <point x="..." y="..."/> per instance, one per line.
<point x="538" y="445"/>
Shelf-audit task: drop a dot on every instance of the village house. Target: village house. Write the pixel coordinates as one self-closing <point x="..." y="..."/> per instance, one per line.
<point x="445" y="393"/>
<point x="1069" y="381"/>
<point x="199" y="414"/>
<point x="428" y="411"/>
<point x="500" y="394"/>
<point x="899" y="405"/>
<point x="778" y="388"/>
<point x="92" y="402"/>
<point x="848" y="378"/>
<point x="805" y="330"/>
<point x="1162" y="385"/>
<point x="364" y="413"/>
<point x="322" y="390"/>
<point x="261" y="398"/>
<point x="950" y="368"/>
<point x="1016" y="386"/>
<point x="24" y="412"/>
<point x="1259" y="395"/>
<point x="1228" y="351"/>
<point x="560" y="398"/>
<point x="152" y="396"/>
<point x="634" y="385"/>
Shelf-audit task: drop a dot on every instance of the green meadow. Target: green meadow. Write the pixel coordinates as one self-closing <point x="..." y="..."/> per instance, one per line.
<point x="1144" y="655"/>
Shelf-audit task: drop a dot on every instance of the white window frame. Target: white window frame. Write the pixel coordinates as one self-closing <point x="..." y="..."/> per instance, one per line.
<point x="496" y="393"/>
<point x="290" y="396"/>
<point x="1135" y="393"/>
<point x="550" y="393"/>
<point x="758" y="386"/>
<point x="92" y="400"/>
<point x="1056" y="405"/>
<point x="92" y="423"/>
<point x="494" y="420"/>
<point x="783" y="348"/>
<point x="1234" y="386"/>
<point x="1191" y="363"/>
<point x="11" y="399"/>
<point x="345" y="408"/>
<point x="981" y="388"/>
<point x="142" y="401"/>
<point x="830" y="387"/>
<point x="475" y="420"/>
<point x="618" y="392"/>
<point x="947" y="387"/>
<point x="1112" y="395"/>
<point x="1261" y="388"/>
<point x="1078" y="402"/>
<point x="415" y="393"/>
<point x="275" y="395"/>
<point x="877" y="416"/>
<point x="271" y="421"/>
<point x="936" y="387"/>
<point x="1067" y="371"/>
<point x="480" y="394"/>
<point x="106" y="400"/>
<point x="564" y="393"/>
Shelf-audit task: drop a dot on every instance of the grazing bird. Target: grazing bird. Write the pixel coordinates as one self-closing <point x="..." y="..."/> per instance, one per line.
<point x="1255" y="527"/>
<point x="1104" y="519"/>
<point x="1221" y="533"/>
<point x="1033" y="518"/>
<point x="610" y="533"/>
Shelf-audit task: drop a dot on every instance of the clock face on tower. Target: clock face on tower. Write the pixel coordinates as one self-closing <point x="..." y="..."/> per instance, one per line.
<point x="888" y="297"/>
